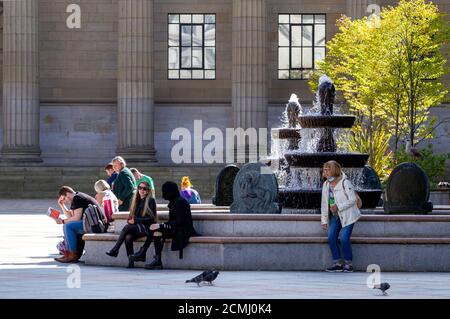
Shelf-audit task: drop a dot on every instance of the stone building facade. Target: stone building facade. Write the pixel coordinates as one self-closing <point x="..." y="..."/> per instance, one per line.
<point x="77" y="97"/>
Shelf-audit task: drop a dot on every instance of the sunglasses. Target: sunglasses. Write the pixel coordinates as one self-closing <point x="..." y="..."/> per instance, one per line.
<point x="143" y="188"/>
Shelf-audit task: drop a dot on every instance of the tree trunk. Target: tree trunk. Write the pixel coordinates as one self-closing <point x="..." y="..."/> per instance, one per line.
<point x="397" y="116"/>
<point x="371" y="161"/>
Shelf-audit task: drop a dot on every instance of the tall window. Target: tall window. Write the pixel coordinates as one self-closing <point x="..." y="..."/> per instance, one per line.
<point x="192" y="46"/>
<point x="301" y="44"/>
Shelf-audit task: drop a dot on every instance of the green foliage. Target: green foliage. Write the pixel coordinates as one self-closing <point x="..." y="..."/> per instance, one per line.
<point x="383" y="158"/>
<point x="416" y="56"/>
<point x="389" y="72"/>
<point x="432" y="164"/>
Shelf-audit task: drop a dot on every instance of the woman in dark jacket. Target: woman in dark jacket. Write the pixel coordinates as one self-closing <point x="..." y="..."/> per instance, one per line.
<point x="179" y="227"/>
<point x="142" y="215"/>
<point x="124" y="184"/>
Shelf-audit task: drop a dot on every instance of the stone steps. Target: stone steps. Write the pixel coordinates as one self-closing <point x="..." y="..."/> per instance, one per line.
<point x="293" y="242"/>
<point x="226" y="224"/>
<point x="44" y="181"/>
<point x="283" y="253"/>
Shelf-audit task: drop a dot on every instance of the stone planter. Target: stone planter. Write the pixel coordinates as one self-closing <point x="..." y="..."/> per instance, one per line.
<point x="440" y="196"/>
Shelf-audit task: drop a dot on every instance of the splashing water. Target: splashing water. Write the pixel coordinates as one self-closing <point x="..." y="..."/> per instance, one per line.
<point x="305" y="178"/>
<point x="293" y="110"/>
<point x="309" y="140"/>
<point x="355" y="175"/>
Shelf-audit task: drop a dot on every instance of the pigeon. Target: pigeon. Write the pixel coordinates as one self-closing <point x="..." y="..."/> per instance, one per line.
<point x="210" y="276"/>
<point x="207" y="275"/>
<point x="412" y="151"/>
<point x="383" y="287"/>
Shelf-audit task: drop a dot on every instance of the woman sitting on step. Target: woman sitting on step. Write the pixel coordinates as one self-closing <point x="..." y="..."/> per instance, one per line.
<point x="339" y="215"/>
<point x="142" y="215"/>
<point x="179" y="227"/>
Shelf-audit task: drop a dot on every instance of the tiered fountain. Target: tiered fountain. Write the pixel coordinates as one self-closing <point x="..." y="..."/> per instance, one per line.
<point x="303" y="151"/>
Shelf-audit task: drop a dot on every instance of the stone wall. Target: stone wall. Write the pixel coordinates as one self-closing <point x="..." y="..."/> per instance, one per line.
<point x="78" y="65"/>
<point x="86" y="134"/>
<point x="78" y="79"/>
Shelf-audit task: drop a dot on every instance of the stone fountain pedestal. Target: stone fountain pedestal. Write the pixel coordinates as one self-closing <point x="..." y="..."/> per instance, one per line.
<point x="301" y="191"/>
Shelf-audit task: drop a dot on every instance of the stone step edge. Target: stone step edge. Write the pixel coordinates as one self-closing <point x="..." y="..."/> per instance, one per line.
<point x="286" y="240"/>
<point x="297" y="217"/>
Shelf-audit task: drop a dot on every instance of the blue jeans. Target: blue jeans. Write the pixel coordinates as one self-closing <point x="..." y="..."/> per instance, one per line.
<point x="334" y="229"/>
<point x="71" y="230"/>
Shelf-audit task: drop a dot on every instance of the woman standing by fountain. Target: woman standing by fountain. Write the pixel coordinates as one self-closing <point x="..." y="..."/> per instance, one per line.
<point x="339" y="214"/>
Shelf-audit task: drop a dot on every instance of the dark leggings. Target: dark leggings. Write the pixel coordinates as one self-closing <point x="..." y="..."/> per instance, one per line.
<point x="158" y="240"/>
<point x="129" y="234"/>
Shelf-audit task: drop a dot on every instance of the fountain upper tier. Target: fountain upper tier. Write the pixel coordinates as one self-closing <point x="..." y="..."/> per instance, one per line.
<point x="326" y="121"/>
<point x="286" y="133"/>
<point x="298" y="159"/>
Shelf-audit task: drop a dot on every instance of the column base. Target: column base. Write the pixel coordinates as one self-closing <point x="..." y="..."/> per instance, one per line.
<point x="21" y="155"/>
<point x="248" y="154"/>
<point x="134" y="155"/>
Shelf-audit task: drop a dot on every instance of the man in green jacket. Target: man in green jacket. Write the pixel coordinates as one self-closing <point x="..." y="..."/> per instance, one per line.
<point x="125" y="184"/>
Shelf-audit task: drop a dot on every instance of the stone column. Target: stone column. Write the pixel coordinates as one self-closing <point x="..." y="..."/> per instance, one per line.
<point x="249" y="78"/>
<point x="21" y="82"/>
<point x="356" y="9"/>
<point x="135" y="81"/>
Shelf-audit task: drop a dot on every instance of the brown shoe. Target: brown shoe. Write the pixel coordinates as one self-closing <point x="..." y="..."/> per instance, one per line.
<point x="70" y="257"/>
<point x="63" y="256"/>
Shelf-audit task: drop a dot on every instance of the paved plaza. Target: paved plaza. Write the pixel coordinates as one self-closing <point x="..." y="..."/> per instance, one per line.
<point x="27" y="270"/>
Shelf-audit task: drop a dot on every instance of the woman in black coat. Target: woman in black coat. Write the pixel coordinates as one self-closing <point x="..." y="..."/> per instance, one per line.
<point x="142" y="215"/>
<point x="179" y="227"/>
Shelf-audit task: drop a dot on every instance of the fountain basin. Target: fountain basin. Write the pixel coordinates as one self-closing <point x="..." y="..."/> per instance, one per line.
<point x="297" y="159"/>
<point x="285" y="133"/>
<point x="333" y="121"/>
<point x="312" y="198"/>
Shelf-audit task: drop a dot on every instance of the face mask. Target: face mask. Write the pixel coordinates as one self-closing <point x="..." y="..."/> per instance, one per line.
<point x="332" y="178"/>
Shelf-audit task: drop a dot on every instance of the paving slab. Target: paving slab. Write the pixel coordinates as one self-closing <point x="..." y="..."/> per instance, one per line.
<point x="27" y="270"/>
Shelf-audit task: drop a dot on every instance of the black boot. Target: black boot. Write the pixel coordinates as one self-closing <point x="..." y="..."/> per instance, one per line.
<point x="130" y="262"/>
<point x="114" y="252"/>
<point x="155" y="264"/>
<point x="140" y="255"/>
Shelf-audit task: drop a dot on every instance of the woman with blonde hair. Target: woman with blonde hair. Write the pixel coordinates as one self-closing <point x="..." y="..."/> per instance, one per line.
<point x="188" y="193"/>
<point x="124" y="184"/>
<point x="339" y="212"/>
<point x="142" y="215"/>
<point x="106" y="198"/>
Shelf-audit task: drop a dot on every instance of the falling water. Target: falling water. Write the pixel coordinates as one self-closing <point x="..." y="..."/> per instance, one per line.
<point x="309" y="140"/>
<point x="355" y="175"/>
<point x="305" y="178"/>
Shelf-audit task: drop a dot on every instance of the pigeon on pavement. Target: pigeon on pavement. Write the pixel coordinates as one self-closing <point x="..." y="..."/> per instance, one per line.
<point x="208" y="276"/>
<point x="383" y="287"/>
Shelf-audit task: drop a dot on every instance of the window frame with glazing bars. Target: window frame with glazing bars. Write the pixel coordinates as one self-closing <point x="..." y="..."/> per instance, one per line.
<point x="180" y="56"/>
<point x="313" y="46"/>
<point x="180" y="46"/>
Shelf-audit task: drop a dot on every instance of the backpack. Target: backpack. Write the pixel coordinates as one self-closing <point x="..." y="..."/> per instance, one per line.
<point x="108" y="209"/>
<point x="358" y="199"/>
<point x="94" y="220"/>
